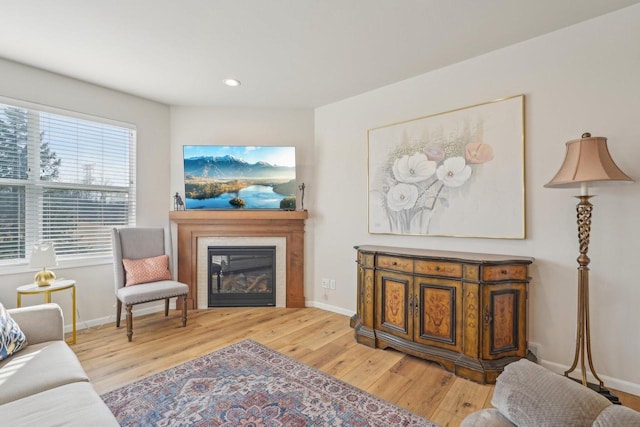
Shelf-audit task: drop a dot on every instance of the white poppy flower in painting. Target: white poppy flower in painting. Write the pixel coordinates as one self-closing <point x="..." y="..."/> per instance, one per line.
<point x="402" y="196"/>
<point x="454" y="172"/>
<point x="415" y="168"/>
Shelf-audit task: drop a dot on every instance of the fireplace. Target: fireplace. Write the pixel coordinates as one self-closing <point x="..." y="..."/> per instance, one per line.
<point x="241" y="276"/>
<point x="203" y="273"/>
<point x="284" y="229"/>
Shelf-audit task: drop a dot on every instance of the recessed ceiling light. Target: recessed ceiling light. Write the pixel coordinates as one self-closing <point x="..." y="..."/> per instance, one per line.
<point x="232" y="82"/>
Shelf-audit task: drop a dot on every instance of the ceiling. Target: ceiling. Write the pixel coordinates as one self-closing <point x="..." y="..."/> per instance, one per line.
<point x="287" y="53"/>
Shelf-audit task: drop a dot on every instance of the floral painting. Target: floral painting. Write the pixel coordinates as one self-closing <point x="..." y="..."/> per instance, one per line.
<point x="459" y="173"/>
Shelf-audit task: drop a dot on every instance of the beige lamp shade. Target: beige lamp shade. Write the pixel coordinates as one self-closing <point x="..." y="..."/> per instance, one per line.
<point x="587" y="160"/>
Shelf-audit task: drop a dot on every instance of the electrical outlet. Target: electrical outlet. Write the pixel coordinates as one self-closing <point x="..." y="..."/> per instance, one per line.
<point x="326" y="283"/>
<point x="332" y="284"/>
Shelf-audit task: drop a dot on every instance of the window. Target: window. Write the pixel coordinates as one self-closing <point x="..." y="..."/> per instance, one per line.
<point x="65" y="178"/>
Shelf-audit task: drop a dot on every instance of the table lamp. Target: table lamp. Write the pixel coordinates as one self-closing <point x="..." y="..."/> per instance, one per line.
<point x="587" y="160"/>
<point x="43" y="255"/>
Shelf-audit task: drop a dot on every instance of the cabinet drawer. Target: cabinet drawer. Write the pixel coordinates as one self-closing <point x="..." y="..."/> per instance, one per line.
<point x="504" y="272"/>
<point x="438" y="268"/>
<point x="395" y="263"/>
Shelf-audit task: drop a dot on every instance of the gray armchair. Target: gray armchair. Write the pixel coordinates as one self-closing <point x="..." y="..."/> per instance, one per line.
<point x="137" y="244"/>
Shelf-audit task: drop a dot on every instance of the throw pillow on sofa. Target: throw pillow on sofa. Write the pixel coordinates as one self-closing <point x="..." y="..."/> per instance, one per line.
<point x="12" y="339"/>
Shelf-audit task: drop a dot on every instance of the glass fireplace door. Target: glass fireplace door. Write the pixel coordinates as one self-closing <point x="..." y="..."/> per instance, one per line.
<point x="241" y="276"/>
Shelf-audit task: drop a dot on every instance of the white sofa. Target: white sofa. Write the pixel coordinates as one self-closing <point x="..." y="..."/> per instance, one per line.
<point x="44" y="383"/>
<point x="529" y="395"/>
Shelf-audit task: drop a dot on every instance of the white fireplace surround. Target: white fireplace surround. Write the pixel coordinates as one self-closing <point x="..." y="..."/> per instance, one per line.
<point x="281" y="263"/>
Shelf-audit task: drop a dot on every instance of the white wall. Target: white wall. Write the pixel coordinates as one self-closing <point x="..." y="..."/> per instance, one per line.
<point x="583" y="78"/>
<point x="249" y="126"/>
<point x="95" y="296"/>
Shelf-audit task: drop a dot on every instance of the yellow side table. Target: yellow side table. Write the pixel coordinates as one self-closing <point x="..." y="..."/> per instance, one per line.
<point x="58" y="285"/>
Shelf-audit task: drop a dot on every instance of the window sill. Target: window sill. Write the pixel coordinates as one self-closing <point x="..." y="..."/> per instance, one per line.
<point x="62" y="265"/>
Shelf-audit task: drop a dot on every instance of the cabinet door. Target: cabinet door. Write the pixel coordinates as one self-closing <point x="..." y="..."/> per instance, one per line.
<point x="504" y="320"/>
<point x="394" y="307"/>
<point x="438" y="313"/>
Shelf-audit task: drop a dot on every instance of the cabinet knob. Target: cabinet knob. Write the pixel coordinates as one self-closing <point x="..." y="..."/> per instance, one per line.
<point x="504" y="272"/>
<point x="437" y="268"/>
<point x="394" y="263"/>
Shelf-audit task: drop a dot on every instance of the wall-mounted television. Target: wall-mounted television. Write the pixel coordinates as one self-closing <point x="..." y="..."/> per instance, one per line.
<point x="239" y="177"/>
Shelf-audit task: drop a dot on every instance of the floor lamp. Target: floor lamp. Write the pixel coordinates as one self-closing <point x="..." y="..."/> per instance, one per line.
<point x="587" y="160"/>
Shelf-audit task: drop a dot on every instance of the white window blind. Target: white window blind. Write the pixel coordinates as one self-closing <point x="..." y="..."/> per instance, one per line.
<point x="64" y="178"/>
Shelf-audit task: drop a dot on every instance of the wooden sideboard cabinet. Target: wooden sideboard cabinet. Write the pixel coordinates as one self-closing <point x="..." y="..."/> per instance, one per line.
<point x="465" y="311"/>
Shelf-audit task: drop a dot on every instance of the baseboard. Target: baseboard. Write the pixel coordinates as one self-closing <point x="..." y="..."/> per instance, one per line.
<point x="609" y="382"/>
<point x="86" y="324"/>
<point x="331" y="308"/>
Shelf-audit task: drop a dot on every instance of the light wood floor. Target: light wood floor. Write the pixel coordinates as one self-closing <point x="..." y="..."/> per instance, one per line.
<point x="316" y="337"/>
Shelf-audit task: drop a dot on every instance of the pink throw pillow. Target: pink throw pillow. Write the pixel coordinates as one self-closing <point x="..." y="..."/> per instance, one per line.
<point x="146" y="270"/>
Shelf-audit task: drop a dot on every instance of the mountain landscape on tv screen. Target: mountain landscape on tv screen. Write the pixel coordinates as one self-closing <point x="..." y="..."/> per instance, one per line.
<point x="231" y="167"/>
<point x="230" y="182"/>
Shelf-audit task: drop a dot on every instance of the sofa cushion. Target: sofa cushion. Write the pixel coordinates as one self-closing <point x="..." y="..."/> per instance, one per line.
<point x="530" y="395"/>
<point x="486" y="417"/>
<point x="74" y="404"/>
<point x="12" y="339"/>
<point x="616" y="416"/>
<point x="40" y="323"/>
<point x="37" y="368"/>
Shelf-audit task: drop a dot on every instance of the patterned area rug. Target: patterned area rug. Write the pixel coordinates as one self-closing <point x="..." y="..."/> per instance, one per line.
<point x="248" y="384"/>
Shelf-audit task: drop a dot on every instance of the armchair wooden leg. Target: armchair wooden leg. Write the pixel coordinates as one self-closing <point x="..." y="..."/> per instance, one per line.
<point x="129" y="322"/>
<point x="184" y="310"/>
<point x="166" y="307"/>
<point x="118" y="312"/>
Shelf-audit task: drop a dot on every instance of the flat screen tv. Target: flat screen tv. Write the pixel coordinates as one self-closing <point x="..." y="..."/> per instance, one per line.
<point x="239" y="177"/>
